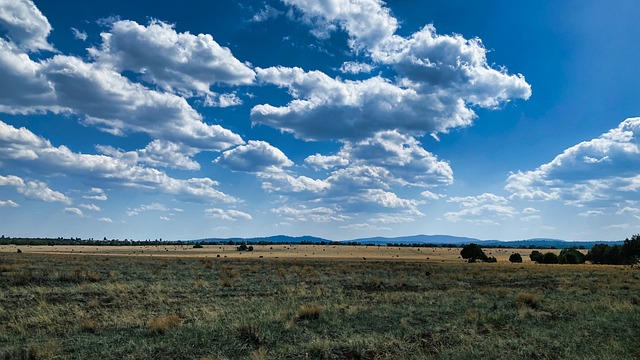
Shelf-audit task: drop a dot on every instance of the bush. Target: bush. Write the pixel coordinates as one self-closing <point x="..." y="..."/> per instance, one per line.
<point x="515" y="258"/>
<point x="536" y="256"/>
<point x="198" y="246"/>
<point x="244" y="247"/>
<point x="571" y="256"/>
<point x="550" y="258"/>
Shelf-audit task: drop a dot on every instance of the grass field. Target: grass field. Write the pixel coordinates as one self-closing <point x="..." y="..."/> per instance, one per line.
<point x="331" y="252"/>
<point x="399" y="303"/>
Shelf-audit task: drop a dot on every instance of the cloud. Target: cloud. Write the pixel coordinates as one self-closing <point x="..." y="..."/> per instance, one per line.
<point x="326" y="161"/>
<point x="590" y="213"/>
<point x="366" y="21"/>
<point x="266" y="13"/>
<point x="604" y="171"/>
<point x="96" y="194"/>
<point x="431" y="195"/>
<point x="157" y="153"/>
<point x="305" y="214"/>
<point x="79" y="35"/>
<point x="25" y="25"/>
<point x="178" y="62"/>
<point x="105" y="219"/>
<point x="96" y="170"/>
<point x="103" y="98"/>
<point x="482" y="209"/>
<point x="357" y="109"/>
<point x="74" y="211"/>
<point x="114" y="104"/>
<point x="435" y="80"/>
<point x="147" y="207"/>
<point x="364" y="176"/>
<point x="25" y="88"/>
<point x="402" y="156"/>
<point x="352" y="67"/>
<point x="34" y="189"/>
<point x="394" y="219"/>
<point x="364" y="227"/>
<point x="92" y="207"/>
<point x="255" y="156"/>
<point x="9" y="203"/>
<point x="231" y="215"/>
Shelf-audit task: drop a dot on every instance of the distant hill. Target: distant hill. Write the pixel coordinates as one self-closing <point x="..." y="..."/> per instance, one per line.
<point x="458" y="240"/>
<point x="417" y="240"/>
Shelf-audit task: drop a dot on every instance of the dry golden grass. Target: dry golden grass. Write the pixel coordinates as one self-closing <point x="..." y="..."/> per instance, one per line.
<point x="310" y="312"/>
<point x="332" y="252"/>
<point x="163" y="324"/>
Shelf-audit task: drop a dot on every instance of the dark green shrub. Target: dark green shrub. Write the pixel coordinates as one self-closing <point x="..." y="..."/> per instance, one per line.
<point x="571" y="256"/>
<point x="515" y="258"/>
<point x="536" y="256"/>
<point x="550" y="258"/>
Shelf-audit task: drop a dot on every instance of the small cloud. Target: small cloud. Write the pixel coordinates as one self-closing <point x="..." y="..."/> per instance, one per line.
<point x="591" y="213"/>
<point x="165" y="218"/>
<point x="231" y="215"/>
<point x="105" y="219"/>
<point x="431" y="196"/>
<point x="618" y="226"/>
<point x="79" y="35"/>
<point x="96" y="194"/>
<point x="352" y="67"/>
<point x="9" y="203"/>
<point x="531" y="218"/>
<point x="266" y="13"/>
<point x="91" y="207"/>
<point x="364" y="227"/>
<point x="74" y="211"/>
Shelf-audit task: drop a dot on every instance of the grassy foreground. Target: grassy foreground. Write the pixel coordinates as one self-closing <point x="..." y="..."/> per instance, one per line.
<point x="116" y="307"/>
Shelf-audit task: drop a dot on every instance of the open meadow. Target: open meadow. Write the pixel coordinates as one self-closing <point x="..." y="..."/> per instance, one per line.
<point x="309" y="302"/>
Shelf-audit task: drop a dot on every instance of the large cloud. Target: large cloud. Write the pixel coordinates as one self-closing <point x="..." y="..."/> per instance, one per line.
<point x="25" y="25"/>
<point x="437" y="81"/>
<point x="174" y="61"/>
<point x="327" y="108"/>
<point x="24" y="87"/>
<point x="20" y="148"/>
<point x="255" y="156"/>
<point x="604" y="170"/>
<point x="115" y="104"/>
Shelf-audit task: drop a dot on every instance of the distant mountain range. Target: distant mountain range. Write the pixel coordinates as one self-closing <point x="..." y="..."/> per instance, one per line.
<point x="417" y="240"/>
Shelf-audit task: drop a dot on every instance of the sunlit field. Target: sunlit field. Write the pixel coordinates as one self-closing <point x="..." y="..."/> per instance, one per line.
<point x="309" y="302"/>
<point x="428" y="254"/>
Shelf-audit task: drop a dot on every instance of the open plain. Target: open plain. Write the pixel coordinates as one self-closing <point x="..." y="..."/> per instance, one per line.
<point x="309" y="302"/>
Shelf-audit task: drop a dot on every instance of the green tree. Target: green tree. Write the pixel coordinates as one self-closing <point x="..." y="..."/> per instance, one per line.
<point x="473" y="252"/>
<point x="631" y="249"/>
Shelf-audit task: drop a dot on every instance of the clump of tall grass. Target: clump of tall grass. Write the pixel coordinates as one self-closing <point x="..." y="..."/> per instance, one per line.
<point x="528" y="300"/>
<point x="163" y="324"/>
<point x="310" y="312"/>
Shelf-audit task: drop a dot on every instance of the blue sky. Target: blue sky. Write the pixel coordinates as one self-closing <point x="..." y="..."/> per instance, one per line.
<point x="339" y="119"/>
